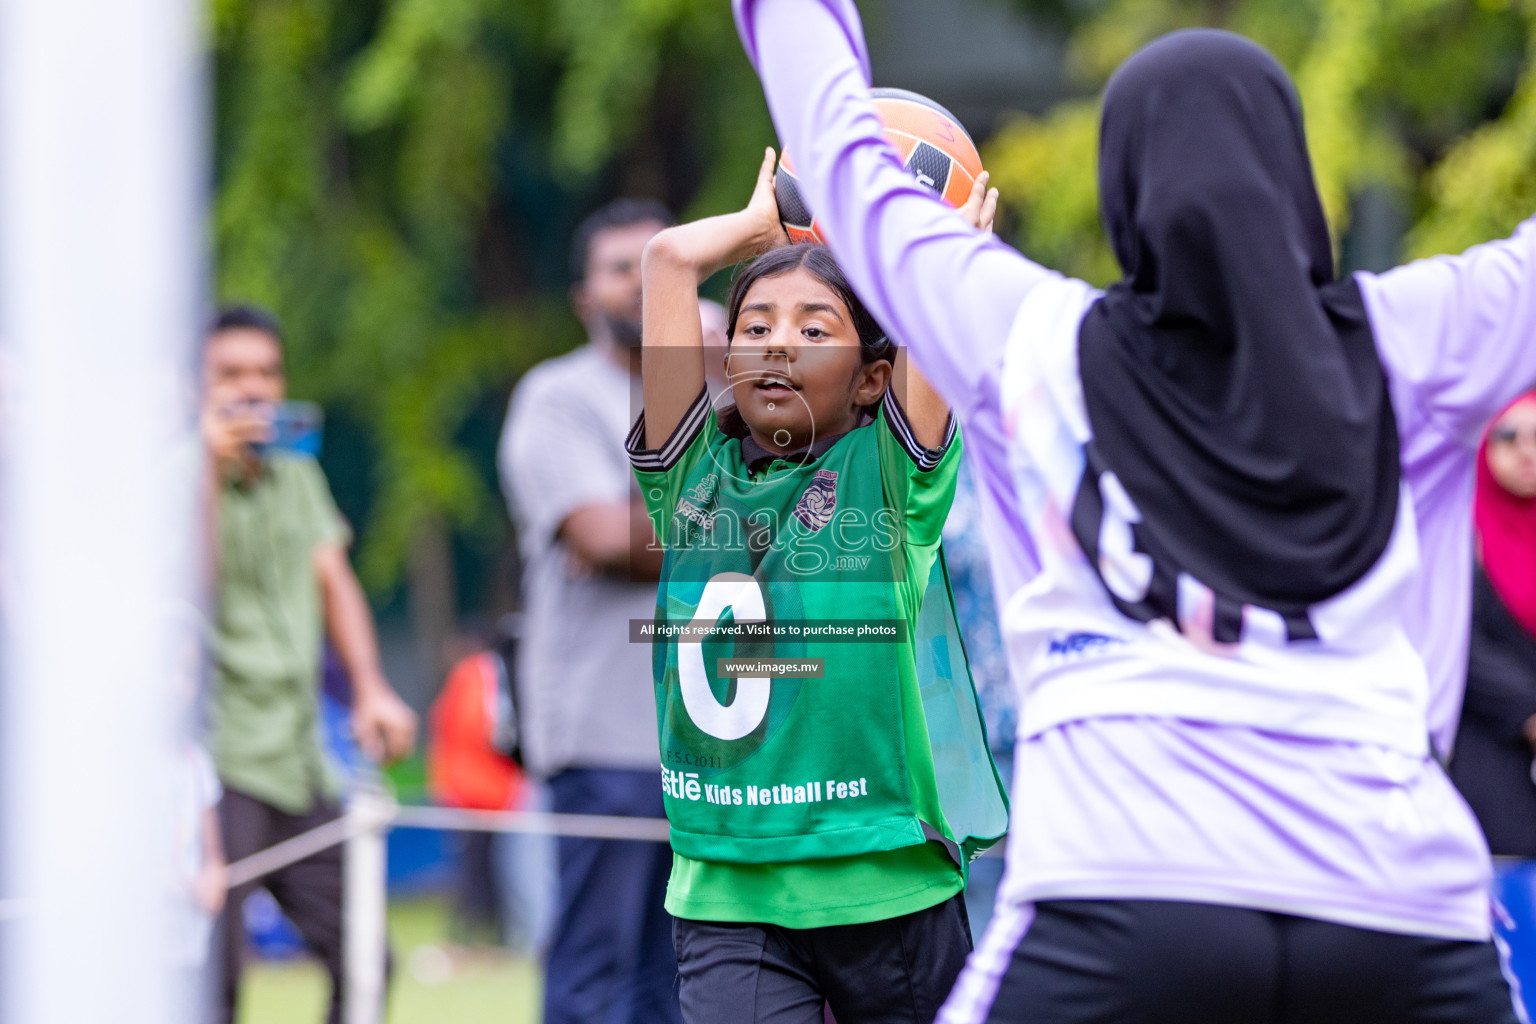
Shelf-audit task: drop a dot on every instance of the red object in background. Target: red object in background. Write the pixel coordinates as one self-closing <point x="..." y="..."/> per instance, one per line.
<point x="464" y="768"/>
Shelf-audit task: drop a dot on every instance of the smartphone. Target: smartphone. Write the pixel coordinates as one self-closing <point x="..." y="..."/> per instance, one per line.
<point x="296" y="427"/>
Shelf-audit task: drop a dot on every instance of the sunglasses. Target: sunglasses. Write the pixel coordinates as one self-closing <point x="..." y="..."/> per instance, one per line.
<point x="1510" y="435"/>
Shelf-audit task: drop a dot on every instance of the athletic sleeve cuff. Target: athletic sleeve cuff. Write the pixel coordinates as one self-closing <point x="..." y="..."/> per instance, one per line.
<point x="659" y="460"/>
<point x="901" y="428"/>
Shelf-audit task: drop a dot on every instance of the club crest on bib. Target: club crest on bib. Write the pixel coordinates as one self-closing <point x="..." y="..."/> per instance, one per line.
<point x="817" y="503"/>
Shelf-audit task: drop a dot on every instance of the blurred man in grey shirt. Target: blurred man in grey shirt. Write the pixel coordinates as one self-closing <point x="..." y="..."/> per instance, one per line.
<point x="588" y="703"/>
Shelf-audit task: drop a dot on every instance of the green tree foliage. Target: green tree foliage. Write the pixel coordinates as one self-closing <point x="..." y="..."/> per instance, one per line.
<point x="1486" y="183"/>
<point x="1397" y="96"/>
<point x="397" y="178"/>
<point x="393" y="179"/>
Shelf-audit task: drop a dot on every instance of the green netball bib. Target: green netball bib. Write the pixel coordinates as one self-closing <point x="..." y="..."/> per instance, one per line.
<point x="813" y="697"/>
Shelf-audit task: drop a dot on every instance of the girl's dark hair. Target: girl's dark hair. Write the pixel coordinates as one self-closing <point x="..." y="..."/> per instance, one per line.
<point x="818" y="260"/>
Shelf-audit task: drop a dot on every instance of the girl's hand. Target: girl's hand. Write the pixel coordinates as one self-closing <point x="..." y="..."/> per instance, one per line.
<point x="763" y="209"/>
<point x="980" y="207"/>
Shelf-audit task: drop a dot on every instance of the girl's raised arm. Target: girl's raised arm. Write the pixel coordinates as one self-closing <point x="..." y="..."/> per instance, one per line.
<point x="676" y="262"/>
<point x="925" y="408"/>
<point x="945" y="290"/>
<point x="1457" y="331"/>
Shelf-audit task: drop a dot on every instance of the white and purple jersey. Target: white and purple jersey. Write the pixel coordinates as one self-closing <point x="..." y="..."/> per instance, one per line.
<point x="1289" y="778"/>
<point x="1357" y="679"/>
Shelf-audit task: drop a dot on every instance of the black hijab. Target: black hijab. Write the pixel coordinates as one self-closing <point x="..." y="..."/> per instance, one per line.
<point x="1232" y="384"/>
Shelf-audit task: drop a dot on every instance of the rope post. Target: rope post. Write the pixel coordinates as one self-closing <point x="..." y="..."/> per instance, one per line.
<point x="363" y="904"/>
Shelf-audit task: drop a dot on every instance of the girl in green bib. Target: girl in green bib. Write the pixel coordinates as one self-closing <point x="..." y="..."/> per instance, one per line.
<point x="824" y="765"/>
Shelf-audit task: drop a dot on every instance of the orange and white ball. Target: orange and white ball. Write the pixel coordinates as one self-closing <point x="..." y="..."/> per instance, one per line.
<point x="931" y="143"/>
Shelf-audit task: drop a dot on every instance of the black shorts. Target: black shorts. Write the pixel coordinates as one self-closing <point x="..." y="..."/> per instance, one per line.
<point x="896" y="971"/>
<point x="1151" y="962"/>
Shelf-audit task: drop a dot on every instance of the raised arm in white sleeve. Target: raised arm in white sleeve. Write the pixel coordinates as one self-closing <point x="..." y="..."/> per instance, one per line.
<point x="1457" y="335"/>
<point x="940" y="287"/>
<point x="1459" y="332"/>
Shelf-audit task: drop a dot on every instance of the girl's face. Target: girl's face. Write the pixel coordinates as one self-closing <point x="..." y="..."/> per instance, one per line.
<point x="796" y="371"/>
<point x="1512" y="449"/>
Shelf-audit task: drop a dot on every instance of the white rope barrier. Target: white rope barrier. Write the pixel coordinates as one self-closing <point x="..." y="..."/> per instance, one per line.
<point x="455" y="819"/>
<point x="350" y="824"/>
<point x="539" y="823"/>
<point x="363" y="827"/>
<point x="291" y="851"/>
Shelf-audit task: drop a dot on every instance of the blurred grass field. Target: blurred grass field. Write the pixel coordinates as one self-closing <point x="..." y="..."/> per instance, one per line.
<point x="433" y="981"/>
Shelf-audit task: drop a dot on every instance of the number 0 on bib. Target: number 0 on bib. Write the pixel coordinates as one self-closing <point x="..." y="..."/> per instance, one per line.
<point x="812" y="693"/>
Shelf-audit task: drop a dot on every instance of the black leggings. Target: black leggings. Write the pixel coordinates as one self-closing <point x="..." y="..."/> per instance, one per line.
<point x="1151" y="962"/>
<point x="895" y="971"/>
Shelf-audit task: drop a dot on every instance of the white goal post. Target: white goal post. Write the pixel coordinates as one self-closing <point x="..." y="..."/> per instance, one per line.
<point x="102" y="192"/>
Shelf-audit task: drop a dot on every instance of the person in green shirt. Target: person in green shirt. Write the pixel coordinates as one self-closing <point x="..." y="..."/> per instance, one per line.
<point x="825" y="768"/>
<point x="281" y="584"/>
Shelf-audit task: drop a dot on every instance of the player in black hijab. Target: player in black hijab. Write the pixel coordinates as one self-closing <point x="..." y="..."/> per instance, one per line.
<point x="1216" y="567"/>
<point x="1232" y="383"/>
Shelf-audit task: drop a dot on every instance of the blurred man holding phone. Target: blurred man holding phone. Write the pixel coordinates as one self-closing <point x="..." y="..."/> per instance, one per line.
<point x="281" y="584"/>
